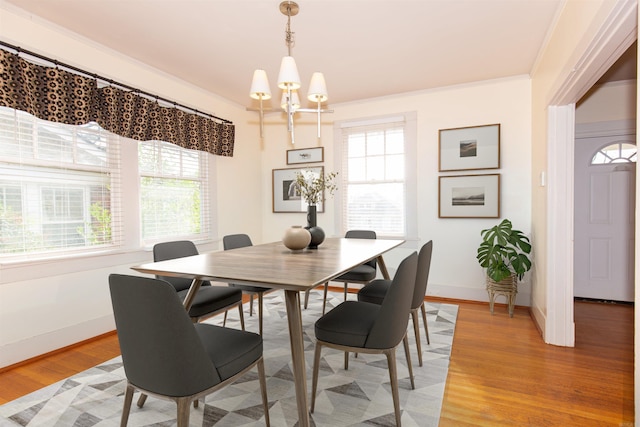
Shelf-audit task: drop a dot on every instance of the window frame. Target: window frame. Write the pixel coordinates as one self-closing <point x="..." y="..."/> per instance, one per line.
<point x="410" y="161"/>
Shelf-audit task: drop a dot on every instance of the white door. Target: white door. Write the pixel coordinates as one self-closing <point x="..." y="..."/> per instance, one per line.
<point x="604" y="219"/>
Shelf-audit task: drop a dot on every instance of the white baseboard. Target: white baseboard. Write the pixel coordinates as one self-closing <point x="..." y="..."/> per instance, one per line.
<point x="35" y="346"/>
<point x="476" y="294"/>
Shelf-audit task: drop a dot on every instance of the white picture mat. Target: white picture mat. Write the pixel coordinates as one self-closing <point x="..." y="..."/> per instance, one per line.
<point x="487" y="148"/>
<point x="454" y="189"/>
<point x="305" y="155"/>
<point x="288" y="201"/>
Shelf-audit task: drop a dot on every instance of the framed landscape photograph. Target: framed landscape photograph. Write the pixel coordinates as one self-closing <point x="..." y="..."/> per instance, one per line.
<point x="469" y="148"/>
<point x="469" y="196"/>
<point x="286" y="194"/>
<point x="305" y="155"/>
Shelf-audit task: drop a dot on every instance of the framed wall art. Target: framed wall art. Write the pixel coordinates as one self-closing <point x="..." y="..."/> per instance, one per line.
<point x="305" y="155"/>
<point x="469" y="148"/>
<point x="469" y="196"/>
<point x="286" y="194"/>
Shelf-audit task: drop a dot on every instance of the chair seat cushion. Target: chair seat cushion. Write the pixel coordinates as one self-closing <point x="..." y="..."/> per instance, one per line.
<point x="361" y="273"/>
<point x="347" y="324"/>
<point x="211" y="298"/>
<point x="230" y="350"/>
<point x="375" y="291"/>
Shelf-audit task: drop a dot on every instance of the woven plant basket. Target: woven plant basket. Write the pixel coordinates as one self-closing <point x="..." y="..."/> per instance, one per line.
<point x="507" y="287"/>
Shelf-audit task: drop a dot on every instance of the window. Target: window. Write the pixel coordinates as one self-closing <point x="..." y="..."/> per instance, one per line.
<point x="173" y="197"/>
<point x="377" y="164"/>
<point x="57" y="186"/>
<point x="61" y="191"/>
<point x="620" y="152"/>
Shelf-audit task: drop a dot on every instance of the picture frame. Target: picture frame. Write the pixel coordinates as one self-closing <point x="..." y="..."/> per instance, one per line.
<point x="305" y="155"/>
<point x="285" y="198"/>
<point x="469" y="196"/>
<point x="469" y="148"/>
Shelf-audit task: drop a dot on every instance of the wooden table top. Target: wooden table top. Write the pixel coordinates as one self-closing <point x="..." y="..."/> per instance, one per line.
<point x="273" y="265"/>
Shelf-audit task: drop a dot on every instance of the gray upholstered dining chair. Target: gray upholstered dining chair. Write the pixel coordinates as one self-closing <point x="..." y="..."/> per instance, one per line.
<point x="376" y="291"/>
<point x="361" y="274"/>
<point x="362" y="327"/>
<point x="234" y="241"/>
<point x="210" y="300"/>
<point x="165" y="355"/>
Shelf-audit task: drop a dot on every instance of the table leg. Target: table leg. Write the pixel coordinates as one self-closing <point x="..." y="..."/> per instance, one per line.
<point x="383" y="268"/>
<point x="294" y="317"/>
<point x="191" y="294"/>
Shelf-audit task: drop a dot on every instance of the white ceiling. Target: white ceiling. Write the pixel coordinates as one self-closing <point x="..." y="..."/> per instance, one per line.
<point x="366" y="48"/>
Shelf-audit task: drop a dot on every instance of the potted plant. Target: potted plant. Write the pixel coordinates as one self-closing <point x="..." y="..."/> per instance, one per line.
<point x="504" y="253"/>
<point x="312" y="185"/>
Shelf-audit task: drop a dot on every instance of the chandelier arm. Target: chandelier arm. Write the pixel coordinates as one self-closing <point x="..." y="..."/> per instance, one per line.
<point x="261" y="119"/>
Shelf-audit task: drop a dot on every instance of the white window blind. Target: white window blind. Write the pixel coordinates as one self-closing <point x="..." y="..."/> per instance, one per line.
<point x="59" y="187"/>
<point x="173" y="192"/>
<point x="374" y="175"/>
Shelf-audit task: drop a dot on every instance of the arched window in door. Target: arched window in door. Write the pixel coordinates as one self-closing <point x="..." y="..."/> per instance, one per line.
<point x="620" y="152"/>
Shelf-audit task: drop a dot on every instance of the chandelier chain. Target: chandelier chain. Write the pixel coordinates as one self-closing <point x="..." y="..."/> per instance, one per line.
<point x="289" y="35"/>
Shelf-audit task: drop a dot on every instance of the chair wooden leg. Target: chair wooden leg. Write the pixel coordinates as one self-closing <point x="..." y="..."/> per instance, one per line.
<point x="424" y="320"/>
<point x="324" y="301"/>
<point x="250" y="305"/>
<point x="346" y="286"/>
<point x="224" y="320"/>
<point x="128" y="398"/>
<point x="241" y="312"/>
<point x="184" y="407"/>
<point x="416" y="330"/>
<point x="141" y="400"/>
<point x="393" y="377"/>
<point x="263" y="391"/>
<point x="408" y="356"/>
<point x="260" y="299"/>
<point x="306" y="298"/>
<point x="314" y="377"/>
<point x="346" y="360"/>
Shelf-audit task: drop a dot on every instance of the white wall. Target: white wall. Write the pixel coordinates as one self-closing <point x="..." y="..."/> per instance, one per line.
<point x="455" y="272"/>
<point x="48" y="305"/>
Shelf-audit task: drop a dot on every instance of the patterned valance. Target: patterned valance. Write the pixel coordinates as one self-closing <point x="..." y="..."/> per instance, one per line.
<point x="57" y="95"/>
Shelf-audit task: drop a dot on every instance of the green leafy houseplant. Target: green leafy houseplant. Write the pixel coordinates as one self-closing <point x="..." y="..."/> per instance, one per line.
<point x="504" y="251"/>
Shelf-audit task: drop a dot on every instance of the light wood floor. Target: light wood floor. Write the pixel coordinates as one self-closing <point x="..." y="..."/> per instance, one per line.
<point x="501" y="373"/>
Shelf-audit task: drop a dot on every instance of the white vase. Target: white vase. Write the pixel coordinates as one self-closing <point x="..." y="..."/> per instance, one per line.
<point x="296" y="238"/>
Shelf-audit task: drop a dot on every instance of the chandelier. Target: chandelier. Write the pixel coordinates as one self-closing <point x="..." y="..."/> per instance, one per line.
<point x="289" y="82"/>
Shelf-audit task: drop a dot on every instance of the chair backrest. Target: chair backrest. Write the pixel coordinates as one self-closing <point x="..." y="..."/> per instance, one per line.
<point x="422" y="275"/>
<point x="172" y="250"/>
<point x="161" y="350"/>
<point x="362" y="234"/>
<point x="233" y="241"/>
<point x="391" y="324"/>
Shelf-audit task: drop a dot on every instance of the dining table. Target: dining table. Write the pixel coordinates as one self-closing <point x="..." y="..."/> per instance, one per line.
<point x="272" y="265"/>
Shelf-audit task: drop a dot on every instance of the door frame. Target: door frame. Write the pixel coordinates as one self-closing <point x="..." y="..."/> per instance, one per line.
<point x="614" y="37"/>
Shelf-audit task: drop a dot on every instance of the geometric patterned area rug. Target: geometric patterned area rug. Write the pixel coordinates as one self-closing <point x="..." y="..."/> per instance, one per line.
<point x="360" y="396"/>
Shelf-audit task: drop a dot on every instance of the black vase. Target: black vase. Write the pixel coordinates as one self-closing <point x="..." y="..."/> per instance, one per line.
<point x="317" y="233"/>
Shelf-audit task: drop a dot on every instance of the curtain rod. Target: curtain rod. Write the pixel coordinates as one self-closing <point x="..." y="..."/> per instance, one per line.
<point x="110" y="81"/>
